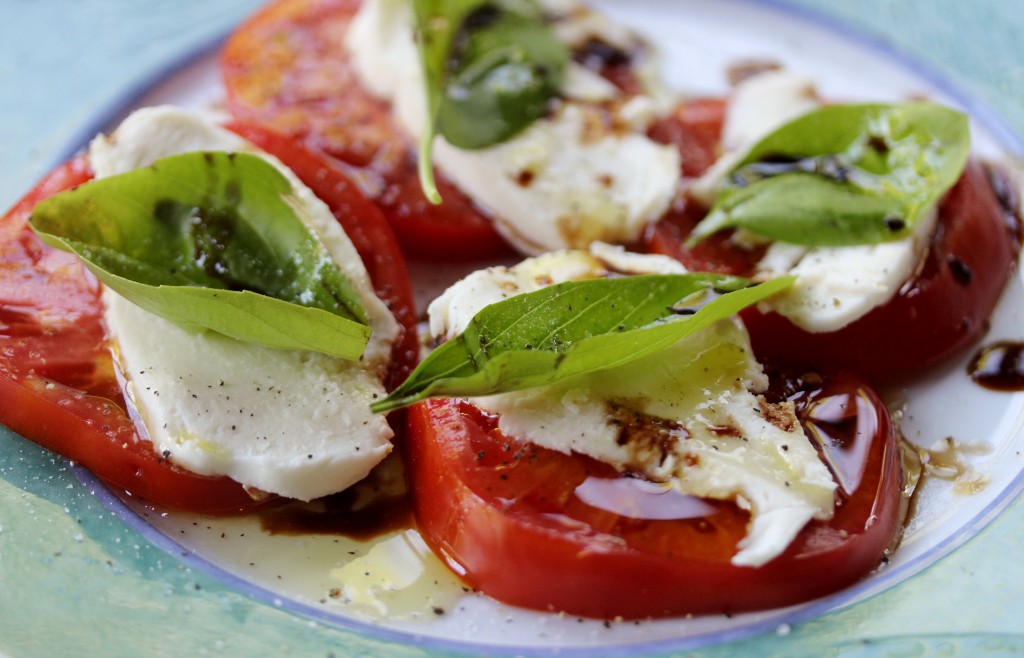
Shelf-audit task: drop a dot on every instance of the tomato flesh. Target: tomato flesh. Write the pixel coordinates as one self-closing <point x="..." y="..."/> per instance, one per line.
<point x="57" y="381"/>
<point x="941" y="309"/>
<point x="695" y="128"/>
<point x="515" y="519"/>
<point x="287" y="69"/>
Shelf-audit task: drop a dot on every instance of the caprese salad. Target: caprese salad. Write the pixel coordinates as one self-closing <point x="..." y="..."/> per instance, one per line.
<point x="211" y="316"/>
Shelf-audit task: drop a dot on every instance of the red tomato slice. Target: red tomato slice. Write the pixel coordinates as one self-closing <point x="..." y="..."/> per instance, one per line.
<point x="287" y="68"/>
<point x="517" y="522"/>
<point x="943" y="308"/>
<point x="57" y="381"/>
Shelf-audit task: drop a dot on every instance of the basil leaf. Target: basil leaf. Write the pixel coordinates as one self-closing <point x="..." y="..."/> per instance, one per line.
<point x="844" y="175"/>
<point x="211" y="241"/>
<point x="491" y="68"/>
<point x="572" y="328"/>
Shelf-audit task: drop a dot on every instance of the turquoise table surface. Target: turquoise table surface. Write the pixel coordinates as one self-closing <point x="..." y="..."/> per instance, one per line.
<point x="75" y="581"/>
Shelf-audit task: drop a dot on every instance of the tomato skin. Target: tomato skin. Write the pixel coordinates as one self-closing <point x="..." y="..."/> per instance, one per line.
<point x="287" y="69"/>
<point x="516" y="530"/>
<point x="942" y="309"/>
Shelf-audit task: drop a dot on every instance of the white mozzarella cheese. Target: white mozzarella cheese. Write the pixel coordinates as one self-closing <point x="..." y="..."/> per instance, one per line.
<point x="383" y="52"/>
<point x="577" y="24"/>
<point x="553" y="187"/>
<point x="292" y="423"/>
<point x="719" y="440"/>
<point x="582" y="84"/>
<point x="836" y="286"/>
<point x="587" y="172"/>
<point x="764" y="102"/>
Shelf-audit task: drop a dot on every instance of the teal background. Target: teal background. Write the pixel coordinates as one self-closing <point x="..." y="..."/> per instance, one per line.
<point x="75" y="581"/>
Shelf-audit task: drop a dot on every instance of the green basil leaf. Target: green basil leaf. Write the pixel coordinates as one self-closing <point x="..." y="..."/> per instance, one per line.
<point x="572" y="328"/>
<point x="844" y="175"/>
<point x="211" y="241"/>
<point x="491" y="68"/>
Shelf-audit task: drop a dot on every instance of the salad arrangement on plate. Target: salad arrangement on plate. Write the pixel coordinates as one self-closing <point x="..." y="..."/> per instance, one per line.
<point x="691" y="430"/>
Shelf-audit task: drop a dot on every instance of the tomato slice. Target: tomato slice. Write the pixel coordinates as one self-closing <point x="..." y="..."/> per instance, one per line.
<point x="57" y="381"/>
<point x="287" y="68"/>
<point x="517" y="522"/>
<point x="944" y="307"/>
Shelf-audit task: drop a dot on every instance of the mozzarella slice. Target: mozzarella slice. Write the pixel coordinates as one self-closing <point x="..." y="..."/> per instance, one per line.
<point x="292" y="423"/>
<point x="836" y="286"/>
<point x="587" y="172"/>
<point x="557" y="186"/>
<point x="706" y="429"/>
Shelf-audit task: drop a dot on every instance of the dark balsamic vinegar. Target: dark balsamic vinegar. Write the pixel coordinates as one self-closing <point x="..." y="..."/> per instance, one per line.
<point x="999" y="366"/>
